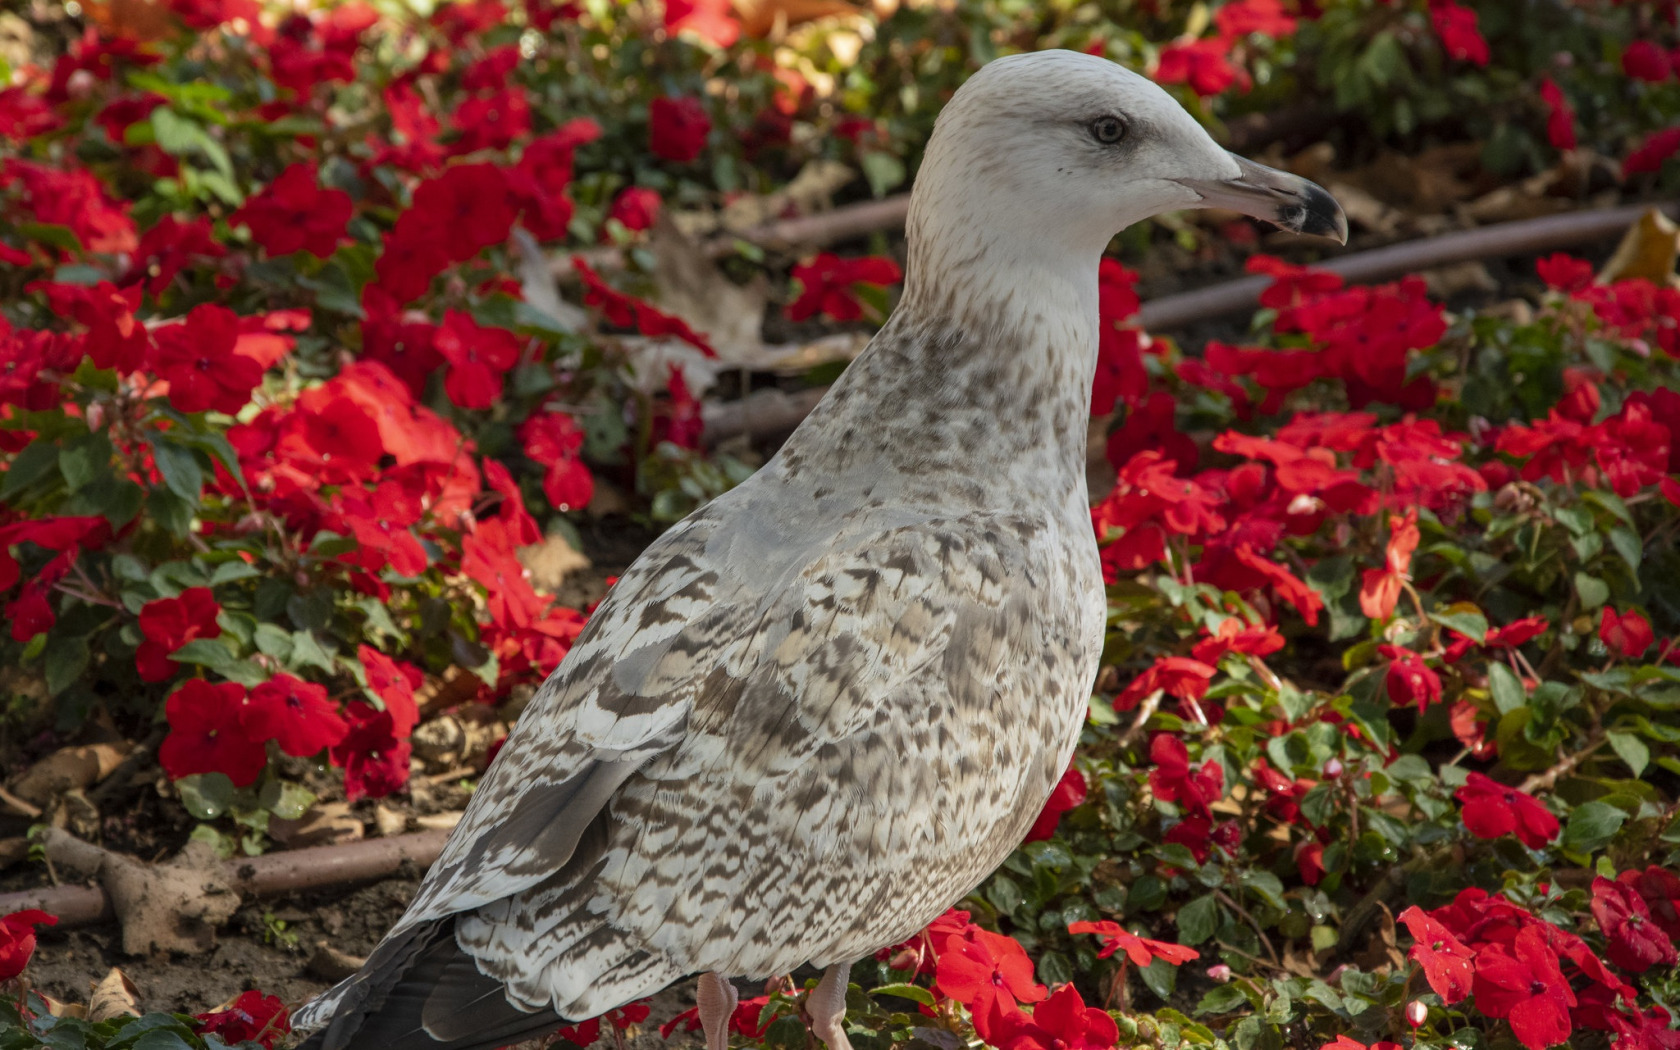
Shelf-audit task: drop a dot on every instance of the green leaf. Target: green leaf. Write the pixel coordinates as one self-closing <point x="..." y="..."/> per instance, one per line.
<point x="50" y="234"/>
<point x="85" y="461"/>
<point x="1198" y="920"/>
<point x="1629" y="546"/>
<point x="29" y="466"/>
<point x="912" y="992"/>
<point x="1592" y="825"/>
<point x="884" y="171"/>
<point x="1507" y="688"/>
<point x="1630" y="749"/>
<point x="284" y="799"/>
<point x="1593" y="591"/>
<point x="1295" y="703"/>
<point x="1222" y="999"/>
<point x="63" y="662"/>
<point x="1466" y="621"/>
<point x="206" y="652"/>
<point x="206" y="795"/>
<point x="307" y="652"/>
<point x="1160" y="977"/>
<point x="179" y="467"/>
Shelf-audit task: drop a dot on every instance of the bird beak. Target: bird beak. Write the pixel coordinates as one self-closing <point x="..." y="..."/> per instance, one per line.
<point x="1275" y="196"/>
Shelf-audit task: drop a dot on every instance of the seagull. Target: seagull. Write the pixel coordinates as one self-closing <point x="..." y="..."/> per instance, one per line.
<point x="822" y="708"/>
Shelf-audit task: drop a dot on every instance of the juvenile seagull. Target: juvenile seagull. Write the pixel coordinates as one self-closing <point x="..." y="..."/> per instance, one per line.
<point x="822" y="708"/>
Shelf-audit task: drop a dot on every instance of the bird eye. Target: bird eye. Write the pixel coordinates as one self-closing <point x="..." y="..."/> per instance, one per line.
<point x="1108" y="130"/>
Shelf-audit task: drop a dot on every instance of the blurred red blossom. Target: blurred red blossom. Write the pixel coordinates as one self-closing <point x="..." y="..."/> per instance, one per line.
<point x="169" y="623"/>
<point x="677" y="128"/>
<point x="826" y="285"/>
<point x="1491" y="810"/>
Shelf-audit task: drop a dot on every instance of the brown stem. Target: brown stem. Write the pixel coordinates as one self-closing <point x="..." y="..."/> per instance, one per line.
<point x="1224" y="899"/>
<point x="1545" y="780"/>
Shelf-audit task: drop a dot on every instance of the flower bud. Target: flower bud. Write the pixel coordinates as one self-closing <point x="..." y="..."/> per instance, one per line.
<point x="907" y="959"/>
<point x="1416" y="1013"/>
<point x="1219" y="972"/>
<point x="1333" y="769"/>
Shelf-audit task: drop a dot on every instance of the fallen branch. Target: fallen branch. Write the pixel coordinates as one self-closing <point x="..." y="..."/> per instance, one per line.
<point x="1524" y="237"/>
<point x="774" y="412"/>
<point x="274" y="874"/>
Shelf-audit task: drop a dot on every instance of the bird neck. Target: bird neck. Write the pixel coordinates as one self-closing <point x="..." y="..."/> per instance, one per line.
<point x="979" y="383"/>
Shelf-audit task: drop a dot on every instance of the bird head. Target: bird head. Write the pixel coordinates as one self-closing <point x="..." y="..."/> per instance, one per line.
<point x="1063" y="150"/>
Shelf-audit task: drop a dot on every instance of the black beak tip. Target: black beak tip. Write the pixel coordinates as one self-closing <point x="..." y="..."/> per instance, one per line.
<point x="1317" y="213"/>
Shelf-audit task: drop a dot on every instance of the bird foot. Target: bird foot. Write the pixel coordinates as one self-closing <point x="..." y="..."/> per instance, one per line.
<point x="716" y="998"/>
<point x="827" y="1006"/>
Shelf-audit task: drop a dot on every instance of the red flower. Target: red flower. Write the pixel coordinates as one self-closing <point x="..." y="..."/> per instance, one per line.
<point x="1645" y="61"/>
<point x="1242" y="17"/>
<point x="1444" y="959"/>
<point x="988" y="973"/>
<point x="478" y="358"/>
<point x="375" y="762"/>
<point x="253" y="1016"/>
<point x="1491" y="809"/>
<point x="626" y="310"/>
<point x="1309" y="861"/>
<point x="1140" y="950"/>
<point x="677" y="128"/>
<point x="826" y="285"/>
<point x="1237" y="636"/>
<point x="1627" y="635"/>
<point x="76" y="199"/>
<point x="1289" y="587"/>
<point x="206" y="734"/>
<point x="490" y="121"/>
<point x="17" y="939"/>
<point x="168" y="624"/>
<point x="1456" y="26"/>
<point x="1060" y="1022"/>
<point x="1344" y="1042"/>
<point x="1564" y="272"/>
<point x="1179" y="676"/>
<point x="463" y="211"/>
<point x="713" y="21"/>
<point x="170" y="247"/>
<point x="1409" y="679"/>
<point x="1203" y="64"/>
<point x="408" y="263"/>
<point x="1560" y="116"/>
<point x="1660" y="890"/>
<point x="393" y="683"/>
<point x="293" y="213"/>
<point x="1379" y="590"/>
<point x="295" y="713"/>
<point x="554" y="440"/>
<point x="1652" y="153"/>
<point x="196" y="358"/>
<point x="1524" y="985"/>
<point x="637" y="208"/>
<point x="1174" y="780"/>
<point x="1068" y="793"/>
<point x="1633" y="940"/>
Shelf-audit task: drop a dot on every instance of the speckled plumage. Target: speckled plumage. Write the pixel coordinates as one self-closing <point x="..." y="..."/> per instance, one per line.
<point x="818" y="711"/>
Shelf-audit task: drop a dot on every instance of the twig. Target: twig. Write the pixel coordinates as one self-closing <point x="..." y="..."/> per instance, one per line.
<point x="1144" y="711"/>
<point x="24" y="809"/>
<point x="1224" y="899"/>
<point x="1545" y="780"/>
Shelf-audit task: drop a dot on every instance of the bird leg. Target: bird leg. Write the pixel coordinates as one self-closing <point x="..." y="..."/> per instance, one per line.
<point x="716" y="998"/>
<point x="827" y="1006"/>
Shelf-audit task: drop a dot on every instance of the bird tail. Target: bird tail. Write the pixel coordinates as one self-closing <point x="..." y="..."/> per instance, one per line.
<point x="419" y="991"/>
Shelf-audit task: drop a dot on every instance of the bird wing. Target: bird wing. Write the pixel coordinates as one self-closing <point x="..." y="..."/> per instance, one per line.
<point x="860" y="745"/>
<point x="745" y="755"/>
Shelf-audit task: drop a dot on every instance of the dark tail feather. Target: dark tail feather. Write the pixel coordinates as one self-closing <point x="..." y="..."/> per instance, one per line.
<point x="421" y="992"/>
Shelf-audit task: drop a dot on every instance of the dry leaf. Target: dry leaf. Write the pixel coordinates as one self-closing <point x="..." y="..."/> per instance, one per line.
<point x="389" y="821"/>
<point x="114" y="996"/>
<point x="140" y="20"/>
<point x="687" y="283"/>
<point x="1382" y="947"/>
<point x="330" y="964"/>
<point x="1647" y="250"/>
<point x="1469" y="276"/>
<point x="69" y="769"/>
<point x="323" y="824"/>
<point x="551" y="561"/>
<point x="772" y="18"/>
